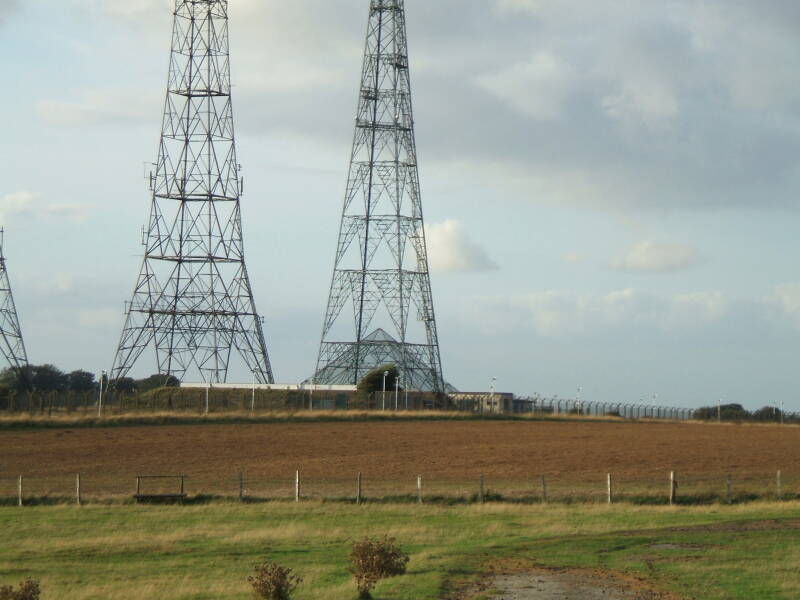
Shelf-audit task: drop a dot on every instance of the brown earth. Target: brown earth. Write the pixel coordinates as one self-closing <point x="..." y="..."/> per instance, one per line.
<point x="448" y="454"/>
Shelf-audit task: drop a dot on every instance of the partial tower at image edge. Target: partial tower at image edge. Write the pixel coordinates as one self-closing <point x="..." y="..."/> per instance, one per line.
<point x="193" y="303"/>
<point x="381" y="275"/>
<point x="13" y="344"/>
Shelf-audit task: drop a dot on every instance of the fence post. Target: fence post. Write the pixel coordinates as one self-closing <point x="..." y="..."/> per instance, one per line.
<point x="673" y="485"/>
<point x="78" y="489"/>
<point x="729" y="488"/>
<point x="778" y="484"/>
<point x="544" y="489"/>
<point x="610" y="496"/>
<point x="419" y="489"/>
<point x="241" y="486"/>
<point x="482" y="492"/>
<point x="19" y="491"/>
<point x="297" y="486"/>
<point x="358" y="489"/>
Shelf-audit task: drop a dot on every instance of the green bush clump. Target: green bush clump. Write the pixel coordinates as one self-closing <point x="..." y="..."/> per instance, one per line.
<point x="374" y="559"/>
<point x="273" y="582"/>
<point x="28" y="590"/>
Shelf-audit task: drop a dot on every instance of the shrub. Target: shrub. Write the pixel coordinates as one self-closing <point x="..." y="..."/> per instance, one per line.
<point x="273" y="582"/>
<point x="372" y="560"/>
<point x="28" y="590"/>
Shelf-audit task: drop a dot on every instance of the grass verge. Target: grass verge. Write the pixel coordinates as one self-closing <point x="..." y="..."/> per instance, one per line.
<point x="205" y="552"/>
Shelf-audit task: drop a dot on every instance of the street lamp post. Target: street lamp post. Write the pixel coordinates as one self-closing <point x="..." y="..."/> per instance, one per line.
<point x="253" y="395"/>
<point x="383" y="398"/>
<point x="100" y="399"/>
<point x="491" y="394"/>
<point x="396" y="391"/>
<point x="719" y="410"/>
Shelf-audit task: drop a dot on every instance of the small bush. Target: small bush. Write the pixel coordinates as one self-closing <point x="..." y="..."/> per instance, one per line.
<point x="372" y="560"/>
<point x="273" y="582"/>
<point x="28" y="590"/>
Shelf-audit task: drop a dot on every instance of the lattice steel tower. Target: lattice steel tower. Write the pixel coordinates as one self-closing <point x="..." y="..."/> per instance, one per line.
<point x="193" y="302"/>
<point x="13" y="346"/>
<point x="381" y="265"/>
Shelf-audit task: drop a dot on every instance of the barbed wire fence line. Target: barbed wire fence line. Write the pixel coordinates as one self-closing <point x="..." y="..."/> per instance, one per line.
<point x="221" y="400"/>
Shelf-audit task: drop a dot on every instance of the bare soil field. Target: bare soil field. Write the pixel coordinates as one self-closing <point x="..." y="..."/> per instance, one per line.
<point x="449" y="455"/>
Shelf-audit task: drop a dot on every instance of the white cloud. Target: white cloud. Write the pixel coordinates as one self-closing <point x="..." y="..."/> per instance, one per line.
<point x="654" y="257"/>
<point x="450" y="249"/>
<point x="7" y="10"/>
<point x="74" y="211"/>
<point x="101" y="318"/>
<point x="649" y="102"/>
<point x="536" y="88"/>
<point x="100" y="107"/>
<point x="17" y="203"/>
<point x="784" y="303"/>
<point x="565" y="314"/>
<point x="517" y="6"/>
<point x="25" y="203"/>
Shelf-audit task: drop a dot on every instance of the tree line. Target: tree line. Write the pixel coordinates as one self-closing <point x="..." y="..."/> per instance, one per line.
<point x="736" y="412"/>
<point x="49" y="378"/>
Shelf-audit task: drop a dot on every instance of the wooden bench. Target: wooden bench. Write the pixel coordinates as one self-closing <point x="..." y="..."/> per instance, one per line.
<point x="161" y="497"/>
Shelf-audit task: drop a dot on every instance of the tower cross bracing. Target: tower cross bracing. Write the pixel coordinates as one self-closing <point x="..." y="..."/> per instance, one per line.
<point x="380" y="306"/>
<point x="193" y="303"/>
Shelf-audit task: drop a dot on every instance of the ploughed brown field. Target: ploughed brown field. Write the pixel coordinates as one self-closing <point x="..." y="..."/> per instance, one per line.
<point x="449" y="455"/>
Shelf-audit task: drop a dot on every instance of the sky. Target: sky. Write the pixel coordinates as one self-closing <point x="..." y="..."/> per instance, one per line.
<point x="610" y="187"/>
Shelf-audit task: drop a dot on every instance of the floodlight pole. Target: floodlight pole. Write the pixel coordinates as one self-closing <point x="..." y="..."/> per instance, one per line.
<point x="719" y="410"/>
<point x="100" y="398"/>
<point x="383" y="398"/>
<point x="491" y="394"/>
<point x="253" y="395"/>
<point x="396" y="391"/>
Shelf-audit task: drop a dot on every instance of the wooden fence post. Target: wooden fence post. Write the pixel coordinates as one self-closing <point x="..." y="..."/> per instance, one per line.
<point x="729" y="488"/>
<point x="19" y="491"/>
<point x="610" y="496"/>
<point x="358" y="489"/>
<point x="482" y="492"/>
<point x="673" y="486"/>
<point x="544" y="489"/>
<point x="419" y="489"/>
<point x="78" y="489"/>
<point x="241" y="486"/>
<point x="297" y="486"/>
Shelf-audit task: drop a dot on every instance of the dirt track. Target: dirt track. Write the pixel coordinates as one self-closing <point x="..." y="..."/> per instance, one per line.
<point x="574" y="453"/>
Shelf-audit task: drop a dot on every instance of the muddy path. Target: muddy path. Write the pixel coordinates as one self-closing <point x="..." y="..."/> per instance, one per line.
<point x="569" y="585"/>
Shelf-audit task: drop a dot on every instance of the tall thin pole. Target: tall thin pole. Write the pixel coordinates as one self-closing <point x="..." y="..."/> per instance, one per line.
<point x="100" y="398"/>
<point x="253" y="396"/>
<point x="396" y="392"/>
<point x="385" y="373"/>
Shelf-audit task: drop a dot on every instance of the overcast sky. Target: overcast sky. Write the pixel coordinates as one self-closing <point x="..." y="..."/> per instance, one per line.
<point x="610" y="186"/>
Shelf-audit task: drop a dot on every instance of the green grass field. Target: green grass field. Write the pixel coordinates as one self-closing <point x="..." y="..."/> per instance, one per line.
<point x="207" y="551"/>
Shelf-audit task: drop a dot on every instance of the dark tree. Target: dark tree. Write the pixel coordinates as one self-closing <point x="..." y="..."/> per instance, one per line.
<point x="49" y="378"/>
<point x="373" y="381"/>
<point x="156" y="381"/>
<point x="126" y="385"/>
<point x="81" y="381"/>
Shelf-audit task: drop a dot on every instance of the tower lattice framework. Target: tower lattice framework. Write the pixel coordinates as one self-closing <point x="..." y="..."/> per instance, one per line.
<point x="13" y="344"/>
<point x="381" y="274"/>
<point x="193" y="302"/>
